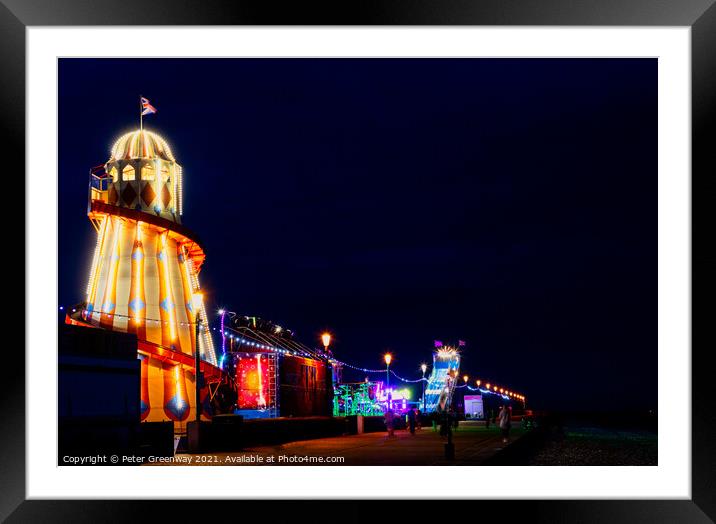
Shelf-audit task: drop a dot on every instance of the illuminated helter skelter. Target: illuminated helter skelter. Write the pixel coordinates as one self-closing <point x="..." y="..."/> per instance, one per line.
<point x="441" y="383"/>
<point x="144" y="273"/>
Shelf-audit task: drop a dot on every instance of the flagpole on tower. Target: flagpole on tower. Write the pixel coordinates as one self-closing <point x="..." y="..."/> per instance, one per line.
<point x="141" y="117"/>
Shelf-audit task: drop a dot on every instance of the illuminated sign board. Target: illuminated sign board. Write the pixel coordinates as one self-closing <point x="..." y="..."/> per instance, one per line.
<point x="473" y="406"/>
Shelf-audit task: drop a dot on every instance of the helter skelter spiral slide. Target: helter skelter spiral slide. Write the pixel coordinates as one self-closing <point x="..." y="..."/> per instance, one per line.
<point x="144" y="274"/>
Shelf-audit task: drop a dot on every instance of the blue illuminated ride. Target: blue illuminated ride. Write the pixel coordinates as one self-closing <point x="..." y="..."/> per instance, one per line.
<point x="442" y="380"/>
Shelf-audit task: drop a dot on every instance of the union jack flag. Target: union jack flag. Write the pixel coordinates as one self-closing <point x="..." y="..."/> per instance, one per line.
<point x="147" y="108"/>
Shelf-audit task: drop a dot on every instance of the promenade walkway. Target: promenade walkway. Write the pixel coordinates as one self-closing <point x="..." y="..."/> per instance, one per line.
<point x="473" y="445"/>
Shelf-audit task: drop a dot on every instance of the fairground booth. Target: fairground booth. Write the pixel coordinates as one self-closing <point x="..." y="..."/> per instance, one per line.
<point x="273" y="374"/>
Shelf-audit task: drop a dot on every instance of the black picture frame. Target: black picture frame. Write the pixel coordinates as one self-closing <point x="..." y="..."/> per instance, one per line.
<point x="699" y="15"/>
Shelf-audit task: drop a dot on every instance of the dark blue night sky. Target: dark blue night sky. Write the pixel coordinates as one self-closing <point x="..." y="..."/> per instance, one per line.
<point x="508" y="203"/>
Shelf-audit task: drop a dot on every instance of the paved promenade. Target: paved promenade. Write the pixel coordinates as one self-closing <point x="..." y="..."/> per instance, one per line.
<point x="473" y="445"/>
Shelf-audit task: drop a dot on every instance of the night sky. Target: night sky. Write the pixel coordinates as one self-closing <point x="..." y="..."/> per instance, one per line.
<point x="510" y="203"/>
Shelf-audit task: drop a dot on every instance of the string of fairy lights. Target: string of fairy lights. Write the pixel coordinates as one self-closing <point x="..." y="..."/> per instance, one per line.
<point x="488" y="388"/>
<point x="422" y="379"/>
<point x="357" y="368"/>
<point x="252" y="343"/>
<point x="202" y="324"/>
<point x="492" y="389"/>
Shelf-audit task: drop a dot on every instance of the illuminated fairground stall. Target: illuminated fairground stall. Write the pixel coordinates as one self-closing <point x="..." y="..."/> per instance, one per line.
<point x="273" y="374"/>
<point x="144" y="275"/>
<point x="369" y="399"/>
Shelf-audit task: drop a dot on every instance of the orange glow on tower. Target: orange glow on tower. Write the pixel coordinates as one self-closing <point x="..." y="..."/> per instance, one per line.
<point x="144" y="271"/>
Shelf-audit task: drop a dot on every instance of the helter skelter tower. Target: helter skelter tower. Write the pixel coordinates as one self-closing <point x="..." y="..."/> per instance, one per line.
<point x="144" y="277"/>
<point x="441" y="383"/>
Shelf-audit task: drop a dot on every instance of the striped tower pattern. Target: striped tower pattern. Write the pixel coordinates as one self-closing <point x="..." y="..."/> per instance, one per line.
<point x="144" y="274"/>
<point x="123" y="282"/>
<point x="176" y="398"/>
<point x="96" y="268"/>
<point x="184" y="330"/>
<point x="166" y="298"/>
<point x="188" y="293"/>
<point x="109" y="302"/>
<point x="137" y="304"/>
<point x="151" y="287"/>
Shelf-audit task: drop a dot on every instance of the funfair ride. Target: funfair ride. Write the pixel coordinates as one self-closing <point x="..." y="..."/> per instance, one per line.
<point x="368" y="399"/>
<point x="441" y="383"/>
<point x="144" y="274"/>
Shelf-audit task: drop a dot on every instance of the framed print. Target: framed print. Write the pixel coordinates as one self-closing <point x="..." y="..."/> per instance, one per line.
<point x="314" y="253"/>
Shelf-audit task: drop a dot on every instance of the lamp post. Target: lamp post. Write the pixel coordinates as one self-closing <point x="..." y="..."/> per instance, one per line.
<point x="197" y="299"/>
<point x="197" y="374"/>
<point x="450" y="446"/>
<point x="326" y="339"/>
<point x="424" y="368"/>
<point x="223" y="314"/>
<point x="194" y="430"/>
<point x="388" y="359"/>
<point x="336" y="370"/>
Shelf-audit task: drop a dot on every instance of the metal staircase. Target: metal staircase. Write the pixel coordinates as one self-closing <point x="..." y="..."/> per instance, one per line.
<point x="273" y="390"/>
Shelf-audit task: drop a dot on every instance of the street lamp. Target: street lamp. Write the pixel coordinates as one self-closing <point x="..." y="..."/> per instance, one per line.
<point x="223" y="314"/>
<point x="465" y="378"/>
<point x="424" y="368"/>
<point x="388" y="358"/>
<point x="478" y="382"/>
<point x="197" y="299"/>
<point x="326" y="339"/>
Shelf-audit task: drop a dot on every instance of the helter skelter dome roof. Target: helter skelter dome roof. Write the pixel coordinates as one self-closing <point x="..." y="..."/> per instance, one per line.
<point x="141" y="144"/>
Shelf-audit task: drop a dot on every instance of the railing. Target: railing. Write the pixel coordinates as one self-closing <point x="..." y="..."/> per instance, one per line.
<point x="98" y="185"/>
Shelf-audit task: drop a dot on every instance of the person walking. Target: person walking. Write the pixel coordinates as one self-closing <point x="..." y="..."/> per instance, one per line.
<point x="411" y="421"/>
<point x="504" y="423"/>
<point x="390" y="422"/>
